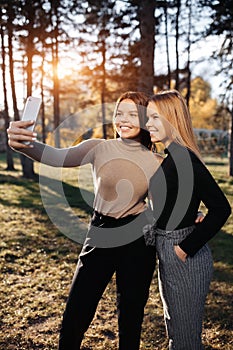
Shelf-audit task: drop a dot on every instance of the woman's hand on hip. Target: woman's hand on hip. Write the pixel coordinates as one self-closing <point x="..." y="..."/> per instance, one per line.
<point x="200" y="217"/>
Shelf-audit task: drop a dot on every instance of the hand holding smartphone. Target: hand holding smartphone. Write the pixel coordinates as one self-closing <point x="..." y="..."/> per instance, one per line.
<point x="30" y="112"/>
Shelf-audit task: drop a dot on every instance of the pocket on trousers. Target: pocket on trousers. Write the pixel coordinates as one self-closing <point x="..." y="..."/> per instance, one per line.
<point x="176" y="257"/>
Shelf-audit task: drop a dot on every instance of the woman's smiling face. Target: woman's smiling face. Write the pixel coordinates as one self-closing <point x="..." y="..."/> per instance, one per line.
<point x="156" y="125"/>
<point x="126" y="120"/>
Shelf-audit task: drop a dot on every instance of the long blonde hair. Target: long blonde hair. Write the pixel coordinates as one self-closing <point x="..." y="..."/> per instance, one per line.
<point x="172" y="106"/>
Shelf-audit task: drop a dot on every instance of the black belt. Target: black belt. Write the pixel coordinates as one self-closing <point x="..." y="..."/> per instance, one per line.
<point x="100" y="220"/>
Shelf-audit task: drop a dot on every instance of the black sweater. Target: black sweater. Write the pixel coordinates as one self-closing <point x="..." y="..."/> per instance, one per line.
<point x="177" y="188"/>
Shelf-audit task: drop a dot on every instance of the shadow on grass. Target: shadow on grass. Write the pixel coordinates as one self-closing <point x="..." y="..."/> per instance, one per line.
<point x="75" y="196"/>
<point x="219" y="163"/>
<point x="222" y="247"/>
<point x="219" y="307"/>
<point x="30" y="253"/>
<point x="30" y="197"/>
<point x="68" y="207"/>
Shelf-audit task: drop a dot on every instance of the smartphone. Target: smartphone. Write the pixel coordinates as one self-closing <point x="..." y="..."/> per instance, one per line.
<point x="31" y="110"/>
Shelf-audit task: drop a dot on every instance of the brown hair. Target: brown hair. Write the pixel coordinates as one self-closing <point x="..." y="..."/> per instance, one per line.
<point x="172" y="106"/>
<point x="141" y="100"/>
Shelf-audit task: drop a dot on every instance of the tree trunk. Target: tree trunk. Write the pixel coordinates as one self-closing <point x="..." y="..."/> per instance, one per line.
<point x="56" y="85"/>
<point x="27" y="163"/>
<point x="9" y="157"/>
<point x="103" y="88"/>
<point x="167" y="49"/>
<point x="189" y="5"/>
<point x="147" y="45"/>
<point x="11" y="61"/>
<point x="28" y="167"/>
<point x="42" y="102"/>
<point x="56" y="107"/>
<point x="177" y="45"/>
<point x="231" y="146"/>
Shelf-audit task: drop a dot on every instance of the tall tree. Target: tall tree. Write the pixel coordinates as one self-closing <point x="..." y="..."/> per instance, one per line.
<point x="9" y="156"/>
<point x="189" y="5"/>
<point x="55" y="20"/>
<point x="100" y="43"/>
<point x="167" y="45"/>
<point x="147" y="44"/>
<point x="11" y="13"/>
<point x="202" y="105"/>
<point x="42" y="98"/>
<point x="222" y="27"/>
<point x="32" y="26"/>
<point x="178" y="4"/>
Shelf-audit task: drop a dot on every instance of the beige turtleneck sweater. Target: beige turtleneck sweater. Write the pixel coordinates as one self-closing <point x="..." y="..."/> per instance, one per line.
<point x="122" y="170"/>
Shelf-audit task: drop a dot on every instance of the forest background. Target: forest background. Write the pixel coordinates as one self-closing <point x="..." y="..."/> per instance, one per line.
<point x="80" y="54"/>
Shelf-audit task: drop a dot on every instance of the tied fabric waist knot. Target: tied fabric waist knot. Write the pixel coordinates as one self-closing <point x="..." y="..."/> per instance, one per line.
<point x="152" y="231"/>
<point x="174" y="234"/>
<point x="149" y="232"/>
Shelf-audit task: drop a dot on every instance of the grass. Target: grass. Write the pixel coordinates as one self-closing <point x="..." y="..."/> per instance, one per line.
<point x="37" y="263"/>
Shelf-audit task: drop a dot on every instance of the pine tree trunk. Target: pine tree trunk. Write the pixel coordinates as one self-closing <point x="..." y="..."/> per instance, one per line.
<point x="27" y="163"/>
<point x="177" y="44"/>
<point x="56" y="83"/>
<point x="231" y="146"/>
<point x="9" y="157"/>
<point x="167" y="49"/>
<point x="11" y="62"/>
<point x="27" y="167"/>
<point x="189" y="5"/>
<point x="147" y="45"/>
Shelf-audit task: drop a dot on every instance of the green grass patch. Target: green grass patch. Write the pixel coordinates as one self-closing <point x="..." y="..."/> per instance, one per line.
<point x="37" y="263"/>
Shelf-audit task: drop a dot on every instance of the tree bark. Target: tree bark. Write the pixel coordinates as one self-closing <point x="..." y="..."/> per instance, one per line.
<point x="231" y="146"/>
<point x="189" y="5"/>
<point x="147" y="45"/>
<point x="9" y="156"/>
<point x="167" y="49"/>
<point x="28" y="167"/>
<point x="11" y="60"/>
<point x="27" y="163"/>
<point x="56" y="85"/>
<point x="177" y="44"/>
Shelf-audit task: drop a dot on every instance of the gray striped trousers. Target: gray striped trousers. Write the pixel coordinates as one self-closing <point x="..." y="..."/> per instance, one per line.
<point x="183" y="288"/>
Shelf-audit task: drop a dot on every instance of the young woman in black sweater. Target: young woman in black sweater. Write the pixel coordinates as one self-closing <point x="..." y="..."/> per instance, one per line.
<point x="181" y="183"/>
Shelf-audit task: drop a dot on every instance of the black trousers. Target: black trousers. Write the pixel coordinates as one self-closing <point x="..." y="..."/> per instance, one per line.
<point x="134" y="264"/>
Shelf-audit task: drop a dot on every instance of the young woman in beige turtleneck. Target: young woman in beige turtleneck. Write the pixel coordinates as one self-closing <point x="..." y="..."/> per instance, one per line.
<point x="122" y="169"/>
